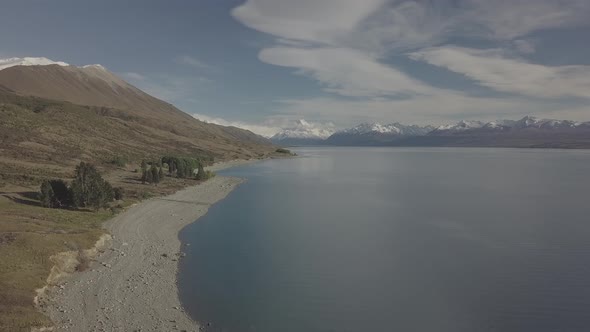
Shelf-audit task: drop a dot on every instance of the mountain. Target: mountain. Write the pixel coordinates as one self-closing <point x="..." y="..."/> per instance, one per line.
<point x="526" y="132"/>
<point x="459" y="127"/>
<point x="303" y="133"/>
<point x="12" y="62"/>
<point x="376" y="134"/>
<point x="529" y="132"/>
<point x="53" y="115"/>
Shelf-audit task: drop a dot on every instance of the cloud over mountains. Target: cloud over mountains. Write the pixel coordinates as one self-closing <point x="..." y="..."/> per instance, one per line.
<point x="360" y="50"/>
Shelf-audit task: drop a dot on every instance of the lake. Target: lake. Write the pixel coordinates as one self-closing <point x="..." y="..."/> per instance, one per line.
<point x="396" y="239"/>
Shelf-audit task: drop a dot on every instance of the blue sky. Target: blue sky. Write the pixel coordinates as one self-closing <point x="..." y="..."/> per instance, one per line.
<point x="262" y="64"/>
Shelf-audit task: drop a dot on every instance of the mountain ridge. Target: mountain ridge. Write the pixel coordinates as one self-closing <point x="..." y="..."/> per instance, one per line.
<point x="526" y="132"/>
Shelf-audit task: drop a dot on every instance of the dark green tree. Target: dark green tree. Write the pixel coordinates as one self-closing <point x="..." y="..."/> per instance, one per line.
<point x="201" y="175"/>
<point x="47" y="196"/>
<point x="155" y="174"/>
<point x="161" y="173"/>
<point x="62" y="194"/>
<point x="118" y="193"/>
<point x="89" y="189"/>
<point x="149" y="177"/>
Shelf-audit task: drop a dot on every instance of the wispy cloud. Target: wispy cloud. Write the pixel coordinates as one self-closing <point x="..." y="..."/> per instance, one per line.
<point x="344" y="46"/>
<point x="346" y="71"/>
<point x="495" y="69"/>
<point x="191" y="61"/>
<point x="263" y="129"/>
<point x="133" y="76"/>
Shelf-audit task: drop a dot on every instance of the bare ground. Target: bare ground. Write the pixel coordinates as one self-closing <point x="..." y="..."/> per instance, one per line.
<point x="132" y="285"/>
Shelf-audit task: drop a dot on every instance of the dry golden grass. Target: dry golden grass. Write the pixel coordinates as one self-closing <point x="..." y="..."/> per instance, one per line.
<point x="29" y="235"/>
<point x="44" y="139"/>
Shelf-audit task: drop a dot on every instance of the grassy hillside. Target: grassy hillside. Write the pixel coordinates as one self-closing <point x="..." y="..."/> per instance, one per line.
<point x="44" y="139"/>
<point x="41" y="137"/>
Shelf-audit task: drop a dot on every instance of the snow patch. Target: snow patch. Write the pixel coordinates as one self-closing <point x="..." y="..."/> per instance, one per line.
<point x="29" y="61"/>
<point x="305" y="130"/>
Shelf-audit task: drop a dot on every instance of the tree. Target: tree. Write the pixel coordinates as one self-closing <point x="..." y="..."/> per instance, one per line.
<point x="118" y="193"/>
<point x="149" y="177"/>
<point x="143" y="165"/>
<point x="161" y="173"/>
<point x="89" y="189"/>
<point x="63" y="196"/>
<point x="55" y="194"/>
<point x="201" y="175"/>
<point x="47" y="195"/>
<point x="155" y="174"/>
<point x="143" y="176"/>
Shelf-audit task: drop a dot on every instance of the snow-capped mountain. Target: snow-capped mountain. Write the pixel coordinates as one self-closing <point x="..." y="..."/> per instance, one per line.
<point x="461" y="126"/>
<point x="392" y="129"/>
<point x="29" y="61"/>
<point x="533" y="122"/>
<point x="376" y="134"/>
<point x="303" y="133"/>
<point x="472" y="127"/>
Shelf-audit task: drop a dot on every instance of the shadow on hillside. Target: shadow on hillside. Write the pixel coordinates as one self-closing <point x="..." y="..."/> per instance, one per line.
<point x="131" y="180"/>
<point x="30" y="195"/>
<point x="25" y="200"/>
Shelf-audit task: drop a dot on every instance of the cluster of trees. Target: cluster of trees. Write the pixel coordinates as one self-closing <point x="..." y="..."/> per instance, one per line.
<point x="153" y="174"/>
<point x="181" y="167"/>
<point x="184" y="168"/>
<point x="88" y="189"/>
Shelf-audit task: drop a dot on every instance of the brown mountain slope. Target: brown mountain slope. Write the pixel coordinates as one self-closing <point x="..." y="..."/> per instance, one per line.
<point x="91" y="85"/>
<point x="57" y="116"/>
<point x="96" y="86"/>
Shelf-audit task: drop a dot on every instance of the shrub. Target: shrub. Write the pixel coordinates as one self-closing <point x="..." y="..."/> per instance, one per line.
<point x="55" y="194"/>
<point x="281" y="150"/>
<point x="201" y="175"/>
<point x="119" y="161"/>
<point x="89" y="189"/>
<point x="155" y="174"/>
<point x="47" y="195"/>
<point x="118" y="193"/>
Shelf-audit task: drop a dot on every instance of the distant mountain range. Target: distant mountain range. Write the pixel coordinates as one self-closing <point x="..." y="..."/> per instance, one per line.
<point x="526" y="132"/>
<point x="303" y="133"/>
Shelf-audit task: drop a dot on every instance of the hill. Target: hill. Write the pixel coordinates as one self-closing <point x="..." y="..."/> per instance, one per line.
<point x="53" y="116"/>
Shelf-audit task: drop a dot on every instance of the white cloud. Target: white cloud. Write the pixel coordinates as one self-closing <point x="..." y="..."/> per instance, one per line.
<point x="345" y="71"/>
<point x="494" y="69"/>
<point x="305" y="129"/>
<point x="191" y="61"/>
<point x="380" y="25"/>
<point x="508" y="19"/>
<point x="524" y="46"/>
<point x="266" y="130"/>
<point x="276" y="124"/>
<point x="343" y="44"/>
<point x="319" y="21"/>
<point x="133" y="76"/>
<point x="433" y="110"/>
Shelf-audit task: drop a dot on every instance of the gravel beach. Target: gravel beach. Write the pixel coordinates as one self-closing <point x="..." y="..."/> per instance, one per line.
<point x="132" y="285"/>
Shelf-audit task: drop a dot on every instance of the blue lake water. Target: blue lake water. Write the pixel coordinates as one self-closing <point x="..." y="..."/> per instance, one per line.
<point x="397" y="239"/>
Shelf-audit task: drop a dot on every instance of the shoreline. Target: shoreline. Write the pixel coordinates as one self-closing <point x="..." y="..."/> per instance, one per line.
<point x="132" y="285"/>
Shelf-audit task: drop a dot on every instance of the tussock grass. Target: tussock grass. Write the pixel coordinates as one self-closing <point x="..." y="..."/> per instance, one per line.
<point x="30" y="235"/>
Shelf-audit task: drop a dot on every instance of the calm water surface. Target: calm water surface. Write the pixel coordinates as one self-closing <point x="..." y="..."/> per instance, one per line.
<point x="397" y="239"/>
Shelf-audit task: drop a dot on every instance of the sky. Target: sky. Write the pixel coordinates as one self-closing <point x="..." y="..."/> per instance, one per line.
<point x="264" y="64"/>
